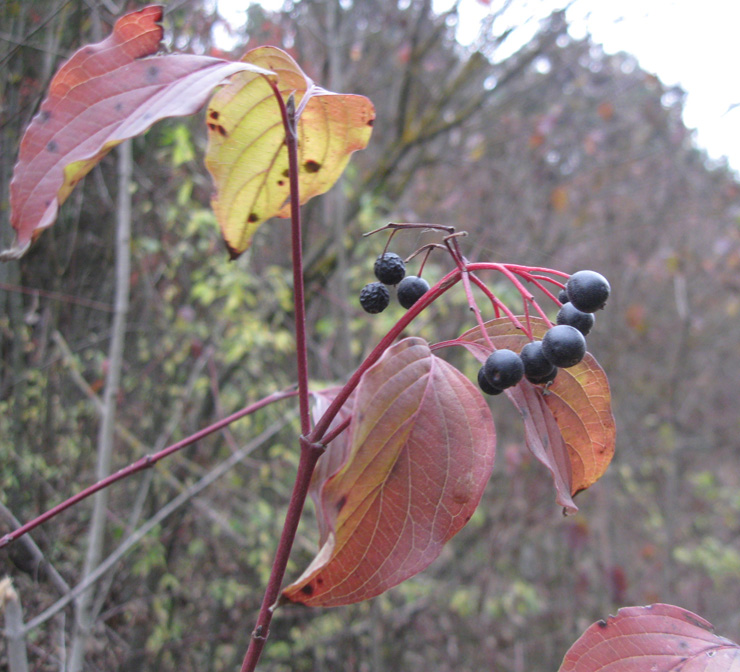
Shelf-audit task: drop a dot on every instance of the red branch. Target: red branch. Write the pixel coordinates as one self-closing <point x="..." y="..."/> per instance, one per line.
<point x="145" y="462"/>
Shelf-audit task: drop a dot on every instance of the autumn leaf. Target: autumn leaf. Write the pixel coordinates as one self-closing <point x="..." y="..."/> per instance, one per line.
<point x="659" y="638"/>
<point x="569" y="427"/>
<point x="104" y="94"/>
<point x="247" y="156"/>
<point x="422" y="445"/>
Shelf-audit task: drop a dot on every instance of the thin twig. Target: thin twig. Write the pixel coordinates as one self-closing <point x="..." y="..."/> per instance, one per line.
<point x="216" y="473"/>
<point x="497" y="303"/>
<point x="145" y="462"/>
<point x="476" y="311"/>
<point x="42" y="564"/>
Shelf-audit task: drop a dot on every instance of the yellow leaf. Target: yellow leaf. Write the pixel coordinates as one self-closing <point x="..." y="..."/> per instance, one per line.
<point x="247" y="156"/>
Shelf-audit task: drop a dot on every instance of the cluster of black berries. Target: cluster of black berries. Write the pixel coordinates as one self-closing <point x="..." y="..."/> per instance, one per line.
<point x="563" y="345"/>
<point x="390" y="269"/>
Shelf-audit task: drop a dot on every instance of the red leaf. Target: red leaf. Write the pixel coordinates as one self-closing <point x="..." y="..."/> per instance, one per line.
<point x="422" y="444"/>
<point x="104" y="94"/>
<point x="658" y="638"/>
<point x="569" y="427"/>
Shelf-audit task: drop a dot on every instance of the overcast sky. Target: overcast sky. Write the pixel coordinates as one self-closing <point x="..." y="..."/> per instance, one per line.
<point x="695" y="45"/>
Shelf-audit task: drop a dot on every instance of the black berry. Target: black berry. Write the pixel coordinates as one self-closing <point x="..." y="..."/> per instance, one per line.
<point x="563" y="296"/>
<point x="485" y="386"/>
<point x="503" y="368"/>
<point x="536" y="365"/>
<point x="375" y="297"/>
<point x="411" y="289"/>
<point x="390" y="268"/>
<point x="564" y="345"/>
<point x="588" y="290"/>
<point x="543" y="380"/>
<point x="569" y="314"/>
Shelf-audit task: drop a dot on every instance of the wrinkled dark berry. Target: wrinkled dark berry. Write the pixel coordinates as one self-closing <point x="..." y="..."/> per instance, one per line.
<point x="569" y="314"/>
<point x="485" y="386"/>
<point x="390" y="268"/>
<point x="588" y="290"/>
<point x="375" y="297"/>
<point x="564" y="346"/>
<point x="536" y="365"/>
<point x="411" y="289"/>
<point x="503" y="368"/>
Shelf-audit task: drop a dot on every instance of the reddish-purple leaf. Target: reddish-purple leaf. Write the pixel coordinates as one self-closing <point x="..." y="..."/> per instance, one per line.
<point x="569" y="427"/>
<point x="104" y="94"/>
<point x="657" y="638"/>
<point x="422" y="445"/>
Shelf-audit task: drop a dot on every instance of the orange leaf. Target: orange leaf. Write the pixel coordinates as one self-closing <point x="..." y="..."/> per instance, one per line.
<point x="422" y="445"/>
<point x="104" y="94"/>
<point x="247" y="156"/>
<point x="569" y="427"/>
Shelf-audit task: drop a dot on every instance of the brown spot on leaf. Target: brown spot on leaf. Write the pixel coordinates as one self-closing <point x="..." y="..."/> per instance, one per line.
<point x="213" y="114"/>
<point x="307" y="589"/>
<point x="371" y="122"/>
<point x="602" y="623"/>
<point x="52" y="146"/>
<point x="217" y="128"/>
<point x="118" y="107"/>
<point x="253" y="217"/>
<point x="281" y="183"/>
<point x="342" y="501"/>
<point x="44" y="116"/>
<point x="286" y="173"/>
<point x="152" y="73"/>
<point x="312" y="166"/>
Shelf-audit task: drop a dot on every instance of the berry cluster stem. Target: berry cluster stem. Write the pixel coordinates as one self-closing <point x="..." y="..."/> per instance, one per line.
<point x="498" y="305"/>
<point x="474" y="307"/>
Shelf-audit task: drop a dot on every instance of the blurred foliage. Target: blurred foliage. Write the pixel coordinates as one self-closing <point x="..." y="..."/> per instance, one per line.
<point x="558" y="154"/>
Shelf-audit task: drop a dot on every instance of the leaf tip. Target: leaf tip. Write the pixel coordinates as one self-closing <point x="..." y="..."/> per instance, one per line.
<point x="16" y="252"/>
<point x="569" y="509"/>
<point x="234" y="253"/>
